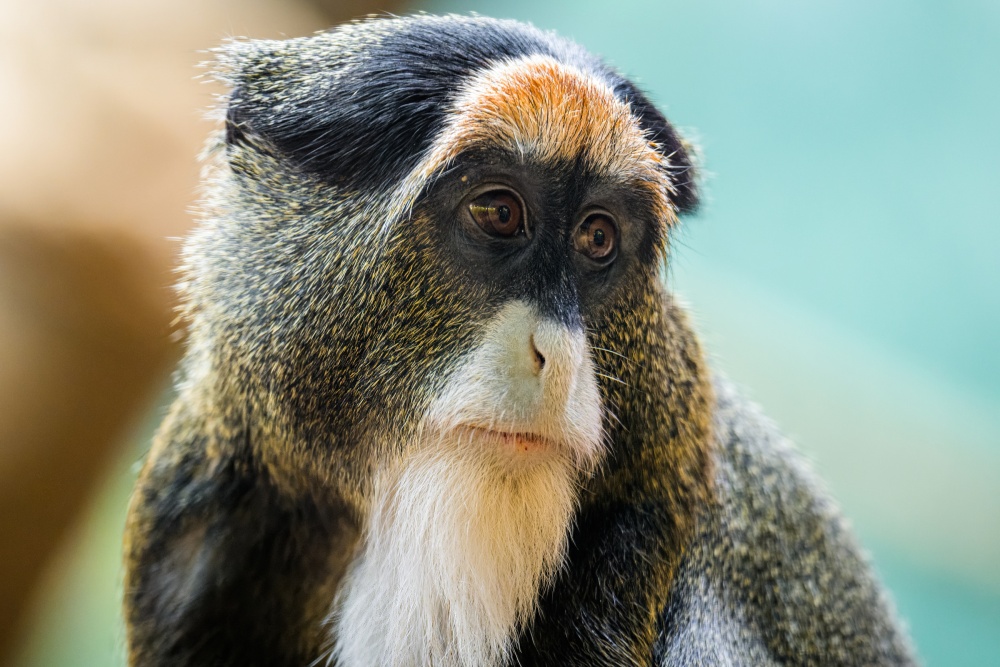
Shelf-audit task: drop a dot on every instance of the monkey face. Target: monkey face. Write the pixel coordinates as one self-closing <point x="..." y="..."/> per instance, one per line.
<point x="538" y="255"/>
<point x="448" y="225"/>
<point x="541" y="194"/>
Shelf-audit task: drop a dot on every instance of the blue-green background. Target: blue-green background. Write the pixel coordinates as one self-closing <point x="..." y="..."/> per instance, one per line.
<point x="845" y="270"/>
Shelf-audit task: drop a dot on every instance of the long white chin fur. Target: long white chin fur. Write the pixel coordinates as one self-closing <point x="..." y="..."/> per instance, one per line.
<point x="463" y="532"/>
<point x="455" y="553"/>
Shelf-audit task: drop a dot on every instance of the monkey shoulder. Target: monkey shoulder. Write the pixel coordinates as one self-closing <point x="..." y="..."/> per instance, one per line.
<point x="774" y="574"/>
<point x="221" y="569"/>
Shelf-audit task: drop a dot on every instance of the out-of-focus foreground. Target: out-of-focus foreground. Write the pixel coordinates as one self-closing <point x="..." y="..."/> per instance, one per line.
<point x="843" y="270"/>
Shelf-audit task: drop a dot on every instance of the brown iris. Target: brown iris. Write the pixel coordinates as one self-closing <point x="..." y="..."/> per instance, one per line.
<point x="498" y="213"/>
<point x="597" y="237"/>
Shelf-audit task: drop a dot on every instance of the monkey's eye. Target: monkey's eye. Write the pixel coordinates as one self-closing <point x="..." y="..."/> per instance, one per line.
<point x="498" y="213"/>
<point x="597" y="237"/>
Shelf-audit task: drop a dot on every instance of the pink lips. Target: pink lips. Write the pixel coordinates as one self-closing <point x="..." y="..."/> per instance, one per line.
<point x="518" y="442"/>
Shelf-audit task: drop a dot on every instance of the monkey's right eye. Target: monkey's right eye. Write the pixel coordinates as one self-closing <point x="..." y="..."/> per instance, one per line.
<point x="498" y="213"/>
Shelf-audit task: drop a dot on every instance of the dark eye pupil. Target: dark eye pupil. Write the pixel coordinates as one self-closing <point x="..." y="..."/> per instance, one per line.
<point x="503" y="213"/>
<point x="598" y="237"/>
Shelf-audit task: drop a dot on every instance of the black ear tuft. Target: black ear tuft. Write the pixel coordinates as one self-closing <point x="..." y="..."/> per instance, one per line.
<point x="684" y="170"/>
<point x="234" y="131"/>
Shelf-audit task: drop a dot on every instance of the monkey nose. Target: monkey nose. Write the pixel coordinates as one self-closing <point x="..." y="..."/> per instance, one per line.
<point x="539" y="358"/>
<point x="556" y="353"/>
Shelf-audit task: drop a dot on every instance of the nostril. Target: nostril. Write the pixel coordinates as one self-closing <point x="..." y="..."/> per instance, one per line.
<point x="539" y="357"/>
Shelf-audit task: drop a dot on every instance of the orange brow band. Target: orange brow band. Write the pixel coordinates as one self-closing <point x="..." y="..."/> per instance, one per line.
<point x="551" y="112"/>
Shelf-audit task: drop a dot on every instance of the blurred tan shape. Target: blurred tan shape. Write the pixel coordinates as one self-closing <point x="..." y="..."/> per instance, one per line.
<point x="83" y="322"/>
<point x="100" y="122"/>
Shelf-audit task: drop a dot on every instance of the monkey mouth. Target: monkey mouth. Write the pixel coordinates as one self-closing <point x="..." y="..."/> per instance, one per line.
<point x="514" y="443"/>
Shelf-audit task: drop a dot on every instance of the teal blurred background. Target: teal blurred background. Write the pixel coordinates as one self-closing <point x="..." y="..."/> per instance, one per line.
<point x="845" y="270"/>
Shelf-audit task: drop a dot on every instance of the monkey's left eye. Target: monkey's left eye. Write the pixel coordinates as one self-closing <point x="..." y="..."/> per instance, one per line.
<point x="597" y="238"/>
<point x="498" y="213"/>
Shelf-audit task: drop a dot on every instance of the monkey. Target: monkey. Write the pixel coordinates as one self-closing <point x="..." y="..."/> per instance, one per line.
<point x="438" y="405"/>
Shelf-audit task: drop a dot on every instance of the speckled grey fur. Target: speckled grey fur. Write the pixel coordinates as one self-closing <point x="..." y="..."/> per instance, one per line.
<point x="774" y="575"/>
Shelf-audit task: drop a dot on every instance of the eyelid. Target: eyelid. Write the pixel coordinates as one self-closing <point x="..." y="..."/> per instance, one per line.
<point x="483" y="187"/>
<point x="588" y="211"/>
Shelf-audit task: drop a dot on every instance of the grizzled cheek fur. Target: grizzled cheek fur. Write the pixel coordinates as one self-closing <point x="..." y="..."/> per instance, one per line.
<point x="419" y="317"/>
<point x="341" y="334"/>
<point x="626" y="338"/>
<point x="427" y="316"/>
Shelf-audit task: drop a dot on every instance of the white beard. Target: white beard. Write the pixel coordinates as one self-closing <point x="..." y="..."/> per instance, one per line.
<point x="459" y="543"/>
<point x="465" y="530"/>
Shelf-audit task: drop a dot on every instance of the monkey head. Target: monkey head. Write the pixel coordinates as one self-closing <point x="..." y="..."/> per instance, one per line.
<point x="426" y="233"/>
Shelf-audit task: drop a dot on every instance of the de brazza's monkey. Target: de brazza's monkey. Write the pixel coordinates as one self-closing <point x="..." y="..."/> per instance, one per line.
<point x="438" y="407"/>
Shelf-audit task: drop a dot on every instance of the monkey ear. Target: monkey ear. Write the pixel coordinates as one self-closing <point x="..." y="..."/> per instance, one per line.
<point x="231" y="63"/>
<point x="680" y="154"/>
